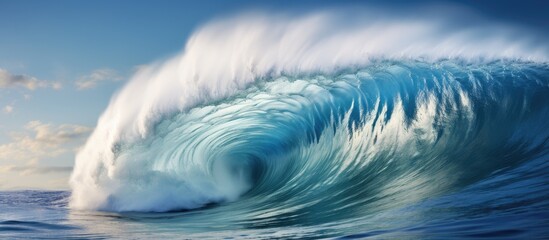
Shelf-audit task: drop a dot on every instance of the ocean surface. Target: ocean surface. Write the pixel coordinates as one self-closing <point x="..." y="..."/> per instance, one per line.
<point x="508" y="204"/>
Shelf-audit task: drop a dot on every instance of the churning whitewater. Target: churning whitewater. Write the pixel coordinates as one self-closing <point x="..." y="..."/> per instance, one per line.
<point x="323" y="114"/>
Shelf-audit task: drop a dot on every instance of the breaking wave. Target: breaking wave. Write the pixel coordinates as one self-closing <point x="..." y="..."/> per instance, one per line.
<point x="288" y="116"/>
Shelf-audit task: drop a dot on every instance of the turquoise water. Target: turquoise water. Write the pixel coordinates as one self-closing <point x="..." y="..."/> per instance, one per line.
<point x="398" y="149"/>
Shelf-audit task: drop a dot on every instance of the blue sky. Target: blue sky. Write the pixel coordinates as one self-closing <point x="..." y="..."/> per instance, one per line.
<point x="61" y="61"/>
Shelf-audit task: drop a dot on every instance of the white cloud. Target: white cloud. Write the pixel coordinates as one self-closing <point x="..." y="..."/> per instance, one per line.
<point x="8" y="109"/>
<point x="8" y="80"/>
<point x="56" y="85"/>
<point x="100" y="75"/>
<point x="33" y="157"/>
<point x="30" y="169"/>
<point x="40" y="141"/>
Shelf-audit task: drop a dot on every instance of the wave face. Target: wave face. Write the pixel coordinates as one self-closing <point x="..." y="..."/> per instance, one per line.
<point x="291" y="121"/>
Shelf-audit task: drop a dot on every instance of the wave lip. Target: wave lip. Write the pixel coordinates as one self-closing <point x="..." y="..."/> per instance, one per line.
<point x="270" y="107"/>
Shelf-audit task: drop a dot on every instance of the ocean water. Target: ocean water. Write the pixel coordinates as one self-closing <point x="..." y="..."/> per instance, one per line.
<point x="311" y="127"/>
<point x="476" y="167"/>
<point x="510" y="204"/>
